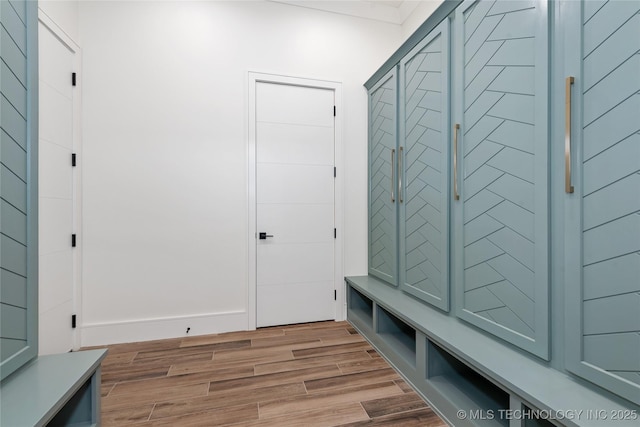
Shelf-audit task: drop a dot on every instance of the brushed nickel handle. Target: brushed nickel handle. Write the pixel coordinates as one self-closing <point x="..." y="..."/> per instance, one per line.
<point x="393" y="175"/>
<point x="456" y="195"/>
<point x="568" y="188"/>
<point x="400" y="161"/>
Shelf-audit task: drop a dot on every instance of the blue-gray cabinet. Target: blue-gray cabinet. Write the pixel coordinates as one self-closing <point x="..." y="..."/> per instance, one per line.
<point x="424" y="169"/>
<point x="409" y="172"/>
<point x="602" y="192"/>
<point x="512" y="174"/>
<point x="18" y="184"/>
<point x="383" y="210"/>
<point x="501" y="174"/>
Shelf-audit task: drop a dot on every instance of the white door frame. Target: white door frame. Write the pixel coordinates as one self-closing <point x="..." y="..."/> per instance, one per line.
<point x="336" y="87"/>
<point x="45" y="20"/>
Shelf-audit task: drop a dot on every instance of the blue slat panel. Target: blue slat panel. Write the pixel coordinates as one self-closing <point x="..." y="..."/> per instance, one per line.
<point x="603" y="229"/>
<point x="621" y="198"/>
<point x="13" y="123"/>
<point x="505" y="170"/>
<point x="480" y="180"/>
<point x="613" y="51"/>
<point x="12" y="88"/>
<point x="13" y="156"/>
<point x="599" y="172"/>
<point x="9" y="347"/>
<point x="501" y="7"/>
<point x="14" y="256"/>
<point x="614" y="239"/>
<point x="626" y="270"/>
<point x="13" y="288"/>
<point x="618" y="124"/>
<point x="13" y="222"/>
<point x="18" y="200"/>
<point x="607" y="22"/>
<point x="382" y="210"/>
<point x="14" y="25"/>
<point x="620" y="313"/>
<point x="481" y="227"/>
<point x="485" y="127"/>
<point x="506" y="316"/>
<point x="597" y="349"/>
<point x="609" y="93"/>
<point x="13" y="56"/>
<point x="591" y="7"/>
<point x="13" y="322"/>
<point x="14" y="190"/>
<point x="21" y="9"/>
<point x="424" y="208"/>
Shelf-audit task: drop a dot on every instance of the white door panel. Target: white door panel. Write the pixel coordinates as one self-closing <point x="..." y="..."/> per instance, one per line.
<point x="56" y="225"/>
<point x="53" y="55"/>
<point x="56" y="268"/>
<point x="295" y="183"/>
<point x="282" y="263"/>
<point x="281" y="143"/>
<point x="56" y="193"/>
<point x="55" y="171"/>
<point x="56" y="127"/>
<point x="295" y="204"/>
<point x="294" y="105"/>
<point x="298" y="307"/>
<point x="297" y="223"/>
<point x="50" y="338"/>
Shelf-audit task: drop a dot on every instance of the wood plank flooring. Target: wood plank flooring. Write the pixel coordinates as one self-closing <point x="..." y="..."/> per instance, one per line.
<point x="317" y="374"/>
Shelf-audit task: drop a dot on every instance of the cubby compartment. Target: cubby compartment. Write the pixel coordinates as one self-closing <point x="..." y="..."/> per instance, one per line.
<point x="360" y="307"/>
<point x="399" y="336"/>
<point x="465" y="388"/>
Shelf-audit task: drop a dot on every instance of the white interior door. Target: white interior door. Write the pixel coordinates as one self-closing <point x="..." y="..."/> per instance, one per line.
<point x="295" y="144"/>
<point x="56" y="194"/>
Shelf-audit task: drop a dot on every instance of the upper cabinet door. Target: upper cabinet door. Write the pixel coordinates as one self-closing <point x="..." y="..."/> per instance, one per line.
<point x="602" y="223"/>
<point x="502" y="218"/>
<point x="383" y="184"/>
<point x="424" y="169"/>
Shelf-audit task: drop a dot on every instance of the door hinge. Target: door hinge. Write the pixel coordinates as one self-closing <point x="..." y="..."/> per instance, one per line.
<point x="334" y="111"/>
<point x="73" y="79"/>
<point x="73" y="321"/>
<point x="335" y="233"/>
<point x="335" y="172"/>
<point x="73" y="159"/>
<point x="335" y="295"/>
<point x="73" y="240"/>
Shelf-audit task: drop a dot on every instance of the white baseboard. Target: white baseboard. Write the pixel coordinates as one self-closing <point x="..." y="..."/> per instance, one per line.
<point x="162" y="328"/>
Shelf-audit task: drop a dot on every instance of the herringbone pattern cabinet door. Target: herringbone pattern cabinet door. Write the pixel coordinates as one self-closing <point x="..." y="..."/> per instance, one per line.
<point x="503" y="98"/>
<point x="424" y="221"/>
<point x="382" y="182"/>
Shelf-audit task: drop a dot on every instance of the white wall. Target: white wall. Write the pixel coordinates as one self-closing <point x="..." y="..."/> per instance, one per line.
<point x="165" y="152"/>
<point x="418" y="16"/>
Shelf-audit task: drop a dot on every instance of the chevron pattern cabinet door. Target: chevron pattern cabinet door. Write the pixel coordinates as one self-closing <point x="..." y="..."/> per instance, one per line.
<point x="383" y="246"/>
<point x="424" y="213"/>
<point x="603" y="214"/>
<point x="502" y="107"/>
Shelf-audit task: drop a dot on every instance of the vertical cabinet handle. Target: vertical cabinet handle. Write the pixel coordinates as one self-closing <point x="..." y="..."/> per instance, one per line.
<point x="456" y="195"/>
<point x="568" y="188"/>
<point x="400" y="161"/>
<point x="393" y="175"/>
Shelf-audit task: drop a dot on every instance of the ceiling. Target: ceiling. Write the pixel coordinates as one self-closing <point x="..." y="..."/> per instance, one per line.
<point x="392" y="11"/>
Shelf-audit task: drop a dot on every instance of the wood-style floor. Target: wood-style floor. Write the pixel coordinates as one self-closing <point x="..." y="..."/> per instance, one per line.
<point x="319" y="374"/>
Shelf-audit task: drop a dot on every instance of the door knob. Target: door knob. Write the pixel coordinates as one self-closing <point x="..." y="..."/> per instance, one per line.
<point x="263" y="235"/>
